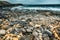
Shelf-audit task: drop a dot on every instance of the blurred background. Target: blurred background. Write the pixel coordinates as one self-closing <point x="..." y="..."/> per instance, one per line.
<point x="34" y="1"/>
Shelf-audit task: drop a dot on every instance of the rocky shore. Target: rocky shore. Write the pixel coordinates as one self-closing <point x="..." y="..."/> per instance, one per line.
<point x="29" y="25"/>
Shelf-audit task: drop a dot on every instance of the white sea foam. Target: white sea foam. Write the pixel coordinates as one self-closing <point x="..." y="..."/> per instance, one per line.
<point x="38" y="8"/>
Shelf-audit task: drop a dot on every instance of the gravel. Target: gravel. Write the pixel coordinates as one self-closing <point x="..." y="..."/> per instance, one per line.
<point x="30" y="25"/>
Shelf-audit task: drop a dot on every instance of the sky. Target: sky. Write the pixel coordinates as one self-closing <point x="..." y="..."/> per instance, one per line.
<point x="35" y="1"/>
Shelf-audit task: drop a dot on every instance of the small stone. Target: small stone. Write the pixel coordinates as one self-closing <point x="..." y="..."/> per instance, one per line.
<point x="13" y="19"/>
<point x="4" y="26"/>
<point x="28" y="20"/>
<point x="25" y="27"/>
<point x="29" y="30"/>
<point x="15" y="38"/>
<point x="38" y="31"/>
<point x="23" y="30"/>
<point x="35" y="33"/>
<point x="15" y="31"/>
<point x="31" y="23"/>
<point x="11" y="37"/>
<point x="48" y="13"/>
<point x="0" y="19"/>
<point x="37" y="26"/>
<point x="46" y="37"/>
<point x="23" y="23"/>
<point x="17" y="25"/>
<point x="22" y="38"/>
<point x="2" y="31"/>
<point x="11" y="23"/>
<point x="22" y="20"/>
<point x="48" y="32"/>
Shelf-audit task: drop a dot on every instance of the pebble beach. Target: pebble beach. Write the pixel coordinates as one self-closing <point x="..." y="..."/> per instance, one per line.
<point x="29" y="25"/>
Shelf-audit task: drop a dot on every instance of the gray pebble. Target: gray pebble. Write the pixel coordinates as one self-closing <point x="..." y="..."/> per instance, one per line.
<point x="48" y="32"/>
<point x="38" y="31"/>
<point x="15" y="31"/>
<point x="35" y="33"/>
<point x="22" y="38"/>
<point x="29" y="30"/>
<point x="23" y="30"/>
<point x="45" y="37"/>
<point x="0" y="20"/>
